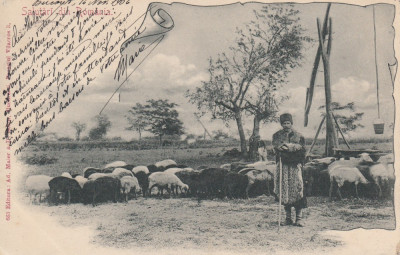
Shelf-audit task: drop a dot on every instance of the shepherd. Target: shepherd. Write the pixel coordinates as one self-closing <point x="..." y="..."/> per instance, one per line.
<point x="290" y="155"/>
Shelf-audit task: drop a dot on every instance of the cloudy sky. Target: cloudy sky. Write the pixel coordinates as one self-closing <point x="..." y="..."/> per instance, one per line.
<point x="179" y="63"/>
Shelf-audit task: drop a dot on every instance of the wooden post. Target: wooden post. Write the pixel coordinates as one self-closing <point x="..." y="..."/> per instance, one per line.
<point x="331" y="138"/>
<point x="310" y="90"/>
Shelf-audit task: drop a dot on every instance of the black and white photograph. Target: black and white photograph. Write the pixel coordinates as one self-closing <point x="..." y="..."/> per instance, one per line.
<point x="199" y="127"/>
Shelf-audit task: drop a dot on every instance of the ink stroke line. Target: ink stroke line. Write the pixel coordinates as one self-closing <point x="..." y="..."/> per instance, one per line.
<point x="157" y="41"/>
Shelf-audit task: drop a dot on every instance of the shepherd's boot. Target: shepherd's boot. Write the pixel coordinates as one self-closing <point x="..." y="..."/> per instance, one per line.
<point x="299" y="222"/>
<point x="288" y="221"/>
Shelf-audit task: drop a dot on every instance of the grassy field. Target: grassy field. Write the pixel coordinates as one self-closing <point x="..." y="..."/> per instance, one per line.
<point x="183" y="223"/>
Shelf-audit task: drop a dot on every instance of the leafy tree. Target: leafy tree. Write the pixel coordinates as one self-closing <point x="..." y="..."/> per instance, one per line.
<point x="247" y="77"/>
<point x="138" y="120"/>
<point x="103" y="125"/>
<point x="163" y="118"/>
<point x="158" y="117"/>
<point x="346" y="116"/>
<point x="79" y="128"/>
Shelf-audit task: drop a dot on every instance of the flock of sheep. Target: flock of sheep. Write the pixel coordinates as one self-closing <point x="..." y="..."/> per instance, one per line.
<point x="119" y="181"/>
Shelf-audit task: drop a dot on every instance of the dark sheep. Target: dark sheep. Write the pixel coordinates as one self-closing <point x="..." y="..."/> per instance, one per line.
<point x="153" y="168"/>
<point x="91" y="170"/>
<point x="191" y="178"/>
<point x="102" y="189"/>
<point x="235" y="185"/>
<point x="143" y="180"/>
<point x="311" y="172"/>
<point x="211" y="182"/>
<point x="64" y="190"/>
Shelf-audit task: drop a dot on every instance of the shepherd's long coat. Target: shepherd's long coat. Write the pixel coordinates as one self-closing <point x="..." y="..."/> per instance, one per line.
<point x="292" y="161"/>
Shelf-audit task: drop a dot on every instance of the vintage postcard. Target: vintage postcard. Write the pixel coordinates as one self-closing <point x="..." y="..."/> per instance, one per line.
<point x="199" y="127"/>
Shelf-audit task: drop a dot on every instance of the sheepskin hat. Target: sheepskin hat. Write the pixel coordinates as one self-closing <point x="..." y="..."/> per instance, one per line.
<point x="286" y="117"/>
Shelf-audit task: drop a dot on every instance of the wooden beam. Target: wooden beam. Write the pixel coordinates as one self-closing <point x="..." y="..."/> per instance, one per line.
<point x="316" y="136"/>
<point x="340" y="130"/>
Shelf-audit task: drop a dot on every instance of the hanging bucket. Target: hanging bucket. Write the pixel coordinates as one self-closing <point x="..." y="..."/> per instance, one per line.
<point x="379" y="126"/>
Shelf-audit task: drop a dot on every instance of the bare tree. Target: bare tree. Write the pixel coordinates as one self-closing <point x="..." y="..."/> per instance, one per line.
<point x="247" y="77"/>
<point x="79" y="128"/>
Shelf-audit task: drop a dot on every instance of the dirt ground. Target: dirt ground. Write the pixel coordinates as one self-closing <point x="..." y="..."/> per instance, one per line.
<point x="183" y="224"/>
<point x="248" y="226"/>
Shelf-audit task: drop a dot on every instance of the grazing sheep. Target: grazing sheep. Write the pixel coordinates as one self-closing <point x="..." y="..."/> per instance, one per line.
<point x="246" y="170"/>
<point x="163" y="180"/>
<point x="345" y="174"/>
<point x="383" y="176"/>
<point x="116" y="164"/>
<point x="98" y="175"/>
<point x="90" y="170"/>
<point x="81" y="180"/>
<point x="153" y="168"/>
<point x="143" y="180"/>
<point x="326" y="160"/>
<point x="129" y="184"/>
<point x="38" y="185"/>
<point x="323" y="183"/>
<point x="311" y="172"/>
<point x="388" y="159"/>
<point x="121" y="172"/>
<point x="191" y="178"/>
<point x="175" y="170"/>
<point x="364" y="159"/>
<point x="61" y="186"/>
<point x="204" y="167"/>
<point x="102" y="189"/>
<point x="165" y="163"/>
<point x="211" y="182"/>
<point x="237" y="166"/>
<point x="137" y="169"/>
<point x="235" y="185"/>
<point x="226" y="166"/>
<point x="259" y="175"/>
<point x="263" y="165"/>
<point x="66" y="174"/>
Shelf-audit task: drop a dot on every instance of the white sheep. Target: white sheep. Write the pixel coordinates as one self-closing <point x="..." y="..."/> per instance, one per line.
<point x="95" y="176"/>
<point x="226" y="166"/>
<point x="121" y="172"/>
<point x="326" y="160"/>
<point x="364" y="158"/>
<point x="38" y="185"/>
<point x="382" y="174"/>
<point x="138" y="169"/>
<point x="165" y="163"/>
<point x="81" y="180"/>
<point x="175" y="170"/>
<point x="66" y="174"/>
<point x="116" y="164"/>
<point x="263" y="165"/>
<point x="163" y="180"/>
<point x="128" y="184"/>
<point x="388" y="159"/>
<point x="345" y="174"/>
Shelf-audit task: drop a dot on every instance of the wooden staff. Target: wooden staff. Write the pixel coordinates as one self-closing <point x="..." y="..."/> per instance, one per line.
<point x="280" y="192"/>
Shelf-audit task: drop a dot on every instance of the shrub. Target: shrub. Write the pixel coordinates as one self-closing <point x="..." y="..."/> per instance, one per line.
<point x="40" y="160"/>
